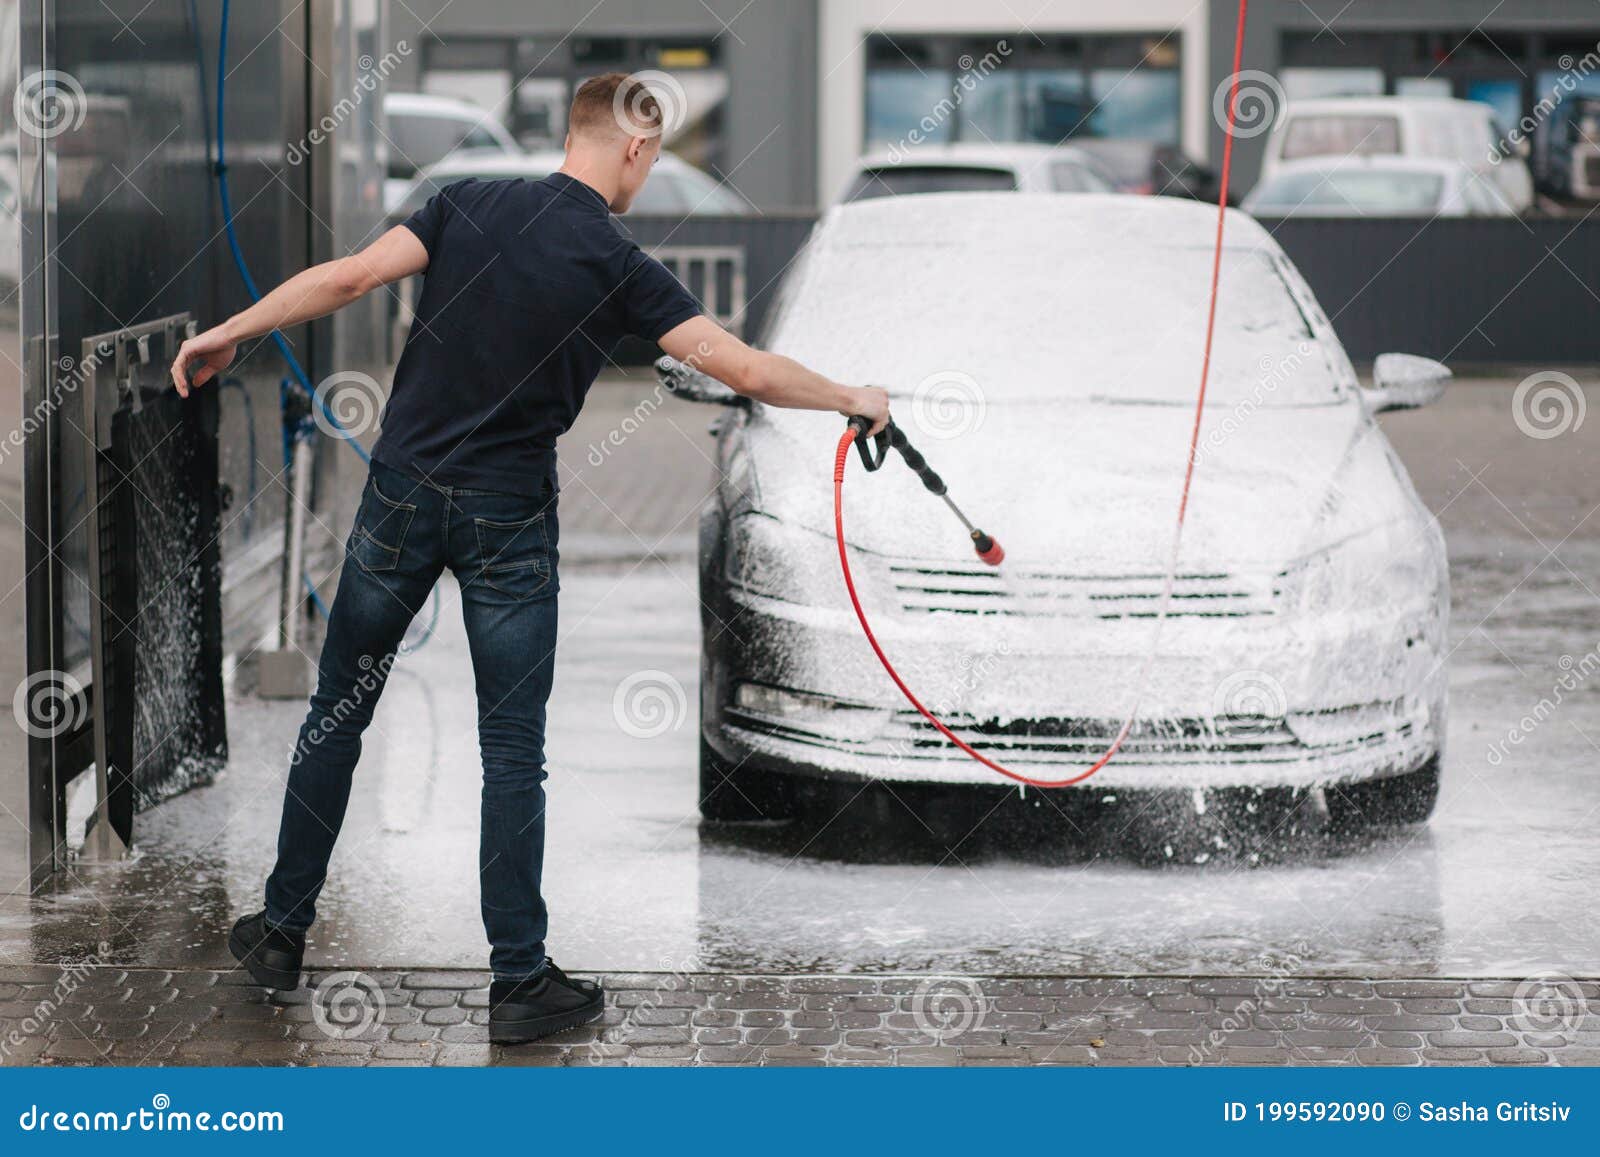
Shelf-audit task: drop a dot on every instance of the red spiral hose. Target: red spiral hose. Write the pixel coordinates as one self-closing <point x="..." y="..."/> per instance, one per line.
<point x="1183" y="503"/>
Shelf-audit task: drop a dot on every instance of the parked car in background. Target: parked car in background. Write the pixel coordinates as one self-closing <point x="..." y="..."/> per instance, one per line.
<point x="1147" y="167"/>
<point x="1306" y="641"/>
<point x="675" y="188"/>
<point x="1019" y="168"/>
<point x="1376" y="187"/>
<point x="1572" y="167"/>
<point x="1419" y="128"/>
<point x="423" y="130"/>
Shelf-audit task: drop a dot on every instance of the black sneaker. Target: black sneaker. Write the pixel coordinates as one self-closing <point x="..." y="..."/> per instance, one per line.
<point x="525" y="1010"/>
<point x="271" y="955"/>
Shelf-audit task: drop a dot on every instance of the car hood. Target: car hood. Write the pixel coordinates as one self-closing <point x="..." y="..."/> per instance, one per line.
<point x="1094" y="486"/>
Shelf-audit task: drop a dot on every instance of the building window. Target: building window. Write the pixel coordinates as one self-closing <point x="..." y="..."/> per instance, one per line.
<point x="528" y="82"/>
<point x="1019" y="87"/>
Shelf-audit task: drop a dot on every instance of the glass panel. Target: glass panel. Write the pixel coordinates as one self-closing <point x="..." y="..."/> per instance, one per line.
<point x="1341" y="136"/>
<point x="904" y="179"/>
<point x="1143" y="104"/>
<point x="1055" y="104"/>
<point x="902" y="102"/>
<point x="992" y="110"/>
<point x="1423" y="86"/>
<point x="1504" y="96"/>
<point x="661" y="194"/>
<point x="1366" y="192"/>
<point x="1311" y="83"/>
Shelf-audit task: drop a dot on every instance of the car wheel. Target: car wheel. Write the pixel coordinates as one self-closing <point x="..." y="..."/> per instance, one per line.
<point x="731" y="793"/>
<point x="1395" y="799"/>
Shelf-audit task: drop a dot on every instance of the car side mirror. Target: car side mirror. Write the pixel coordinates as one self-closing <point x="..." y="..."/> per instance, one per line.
<point x="690" y="384"/>
<point x="1405" y="381"/>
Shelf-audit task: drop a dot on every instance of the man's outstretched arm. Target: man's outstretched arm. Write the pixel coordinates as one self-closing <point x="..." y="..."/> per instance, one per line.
<point x="778" y="381"/>
<point x="313" y="293"/>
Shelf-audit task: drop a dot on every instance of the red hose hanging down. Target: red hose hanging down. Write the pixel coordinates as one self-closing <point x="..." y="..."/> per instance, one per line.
<point x="1183" y="501"/>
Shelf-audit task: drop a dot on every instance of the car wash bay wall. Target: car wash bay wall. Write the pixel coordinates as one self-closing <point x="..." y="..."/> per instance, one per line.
<point x="1469" y="291"/>
<point x="113" y="221"/>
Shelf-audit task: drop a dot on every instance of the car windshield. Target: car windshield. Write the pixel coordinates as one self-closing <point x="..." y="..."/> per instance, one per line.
<point x="1113" y="322"/>
<point x="896" y="180"/>
<point x="1363" y="191"/>
<point x="1342" y="135"/>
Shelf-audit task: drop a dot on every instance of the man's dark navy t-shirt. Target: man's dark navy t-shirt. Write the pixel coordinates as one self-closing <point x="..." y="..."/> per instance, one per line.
<point x="529" y="285"/>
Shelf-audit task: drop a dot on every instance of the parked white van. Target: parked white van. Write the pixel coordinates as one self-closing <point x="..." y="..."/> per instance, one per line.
<point x="1401" y="126"/>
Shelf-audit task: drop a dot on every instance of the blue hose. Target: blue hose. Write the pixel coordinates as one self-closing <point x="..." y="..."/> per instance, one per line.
<point x="304" y="429"/>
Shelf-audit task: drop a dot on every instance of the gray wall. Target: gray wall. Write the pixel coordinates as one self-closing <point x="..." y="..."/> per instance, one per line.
<point x="769" y="51"/>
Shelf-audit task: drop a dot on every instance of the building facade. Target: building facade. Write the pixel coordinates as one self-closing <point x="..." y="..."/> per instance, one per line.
<point x="784" y="96"/>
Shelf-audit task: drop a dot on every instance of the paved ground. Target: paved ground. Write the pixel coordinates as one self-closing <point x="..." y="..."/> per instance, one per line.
<point x="136" y="1017"/>
<point x="1494" y="894"/>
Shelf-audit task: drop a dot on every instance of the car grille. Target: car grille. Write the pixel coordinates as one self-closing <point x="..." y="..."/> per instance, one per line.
<point x="981" y="590"/>
<point x="1227" y="737"/>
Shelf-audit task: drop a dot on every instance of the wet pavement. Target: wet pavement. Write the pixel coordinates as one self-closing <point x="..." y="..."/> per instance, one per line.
<point x="1498" y="885"/>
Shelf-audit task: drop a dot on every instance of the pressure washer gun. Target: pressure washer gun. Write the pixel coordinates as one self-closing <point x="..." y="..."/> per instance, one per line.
<point x="987" y="548"/>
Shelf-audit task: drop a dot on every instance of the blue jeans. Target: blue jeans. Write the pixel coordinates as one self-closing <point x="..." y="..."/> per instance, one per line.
<point x="502" y="550"/>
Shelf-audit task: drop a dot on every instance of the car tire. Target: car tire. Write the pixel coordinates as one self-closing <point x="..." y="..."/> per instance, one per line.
<point x="731" y="794"/>
<point x="1393" y="800"/>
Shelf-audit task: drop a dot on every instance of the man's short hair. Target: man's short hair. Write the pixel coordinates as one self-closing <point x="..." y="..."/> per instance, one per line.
<point x="614" y="104"/>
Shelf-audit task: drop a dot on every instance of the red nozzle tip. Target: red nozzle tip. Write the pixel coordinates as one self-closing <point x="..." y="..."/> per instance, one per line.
<point x="989" y="549"/>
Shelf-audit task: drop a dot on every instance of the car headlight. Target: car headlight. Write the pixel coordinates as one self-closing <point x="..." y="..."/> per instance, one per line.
<point x="1391" y="566"/>
<point x="783" y="561"/>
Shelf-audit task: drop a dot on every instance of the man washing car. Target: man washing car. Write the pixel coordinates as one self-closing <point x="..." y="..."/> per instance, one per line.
<point x="527" y="285"/>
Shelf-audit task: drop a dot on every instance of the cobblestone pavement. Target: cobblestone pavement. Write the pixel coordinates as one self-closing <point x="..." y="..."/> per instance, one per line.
<point x="56" y="1016"/>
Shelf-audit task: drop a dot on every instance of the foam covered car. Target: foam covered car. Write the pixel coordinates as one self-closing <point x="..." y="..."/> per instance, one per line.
<point x="1044" y="354"/>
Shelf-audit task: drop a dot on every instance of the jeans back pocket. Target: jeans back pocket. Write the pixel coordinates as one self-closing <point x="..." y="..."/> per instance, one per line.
<point x="380" y="532"/>
<point x="514" y="556"/>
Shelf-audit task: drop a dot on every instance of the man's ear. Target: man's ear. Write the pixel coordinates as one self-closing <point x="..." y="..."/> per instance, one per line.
<point x="637" y="147"/>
